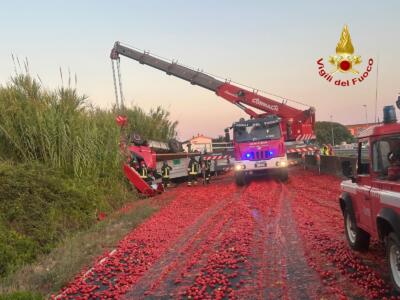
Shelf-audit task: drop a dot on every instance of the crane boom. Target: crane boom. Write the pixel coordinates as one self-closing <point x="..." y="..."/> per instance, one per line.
<point x="297" y="124"/>
<point x="171" y="68"/>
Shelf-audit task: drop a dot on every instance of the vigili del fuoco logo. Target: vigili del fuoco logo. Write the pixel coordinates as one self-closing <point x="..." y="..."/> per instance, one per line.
<point x="345" y="62"/>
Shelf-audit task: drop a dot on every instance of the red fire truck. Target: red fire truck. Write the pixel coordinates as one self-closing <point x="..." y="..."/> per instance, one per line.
<point x="260" y="144"/>
<point x="370" y="199"/>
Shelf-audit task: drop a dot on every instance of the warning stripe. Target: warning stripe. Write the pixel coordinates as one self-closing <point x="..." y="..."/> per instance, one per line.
<point x="215" y="157"/>
<point x="305" y="137"/>
<point x="303" y="149"/>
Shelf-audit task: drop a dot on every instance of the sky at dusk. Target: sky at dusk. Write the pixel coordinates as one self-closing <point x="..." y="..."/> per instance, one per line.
<point x="271" y="45"/>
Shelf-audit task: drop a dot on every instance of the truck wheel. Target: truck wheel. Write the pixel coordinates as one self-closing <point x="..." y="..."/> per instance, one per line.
<point x="284" y="176"/>
<point x="357" y="238"/>
<point x="136" y="139"/>
<point x="240" y="179"/>
<point x="393" y="259"/>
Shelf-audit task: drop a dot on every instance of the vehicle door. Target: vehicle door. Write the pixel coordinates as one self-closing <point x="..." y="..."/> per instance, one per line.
<point x="362" y="201"/>
<point x="385" y="183"/>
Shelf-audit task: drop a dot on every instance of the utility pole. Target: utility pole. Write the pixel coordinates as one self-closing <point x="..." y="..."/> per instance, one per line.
<point x="376" y="88"/>
<point x="366" y="113"/>
<point x="333" y="138"/>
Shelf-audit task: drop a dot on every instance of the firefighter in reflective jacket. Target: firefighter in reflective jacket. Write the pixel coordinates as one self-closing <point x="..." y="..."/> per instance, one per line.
<point x="193" y="170"/>
<point x="143" y="172"/>
<point x="133" y="161"/>
<point x="165" y="170"/>
<point x="205" y="165"/>
<point x="208" y="171"/>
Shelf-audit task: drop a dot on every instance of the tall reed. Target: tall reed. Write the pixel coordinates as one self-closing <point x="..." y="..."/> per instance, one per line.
<point x="59" y="128"/>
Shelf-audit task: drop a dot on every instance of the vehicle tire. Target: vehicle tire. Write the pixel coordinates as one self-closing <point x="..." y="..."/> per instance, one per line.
<point x="357" y="238"/>
<point x="393" y="260"/>
<point x="284" y="175"/>
<point x="136" y="139"/>
<point x="175" y="146"/>
<point x="240" y="179"/>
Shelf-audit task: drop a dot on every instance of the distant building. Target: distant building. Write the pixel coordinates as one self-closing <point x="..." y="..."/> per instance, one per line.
<point x="199" y="143"/>
<point x="355" y="129"/>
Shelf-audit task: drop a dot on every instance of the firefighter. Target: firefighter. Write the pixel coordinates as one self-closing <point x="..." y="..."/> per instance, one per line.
<point x="330" y="150"/>
<point x="324" y="150"/>
<point x="165" y="170"/>
<point x="133" y="162"/>
<point x="206" y="170"/>
<point x="193" y="170"/>
<point x="143" y="172"/>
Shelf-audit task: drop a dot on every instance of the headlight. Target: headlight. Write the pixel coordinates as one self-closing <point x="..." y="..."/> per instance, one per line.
<point x="281" y="163"/>
<point x="239" y="167"/>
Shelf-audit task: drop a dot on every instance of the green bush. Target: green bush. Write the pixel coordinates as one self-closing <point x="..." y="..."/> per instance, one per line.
<point x="39" y="206"/>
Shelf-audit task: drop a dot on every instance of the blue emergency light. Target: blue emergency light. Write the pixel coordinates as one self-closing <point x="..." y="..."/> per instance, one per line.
<point x="389" y="114"/>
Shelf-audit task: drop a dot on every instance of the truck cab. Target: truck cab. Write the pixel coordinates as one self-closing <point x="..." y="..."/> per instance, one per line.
<point x="259" y="147"/>
<point x="370" y="199"/>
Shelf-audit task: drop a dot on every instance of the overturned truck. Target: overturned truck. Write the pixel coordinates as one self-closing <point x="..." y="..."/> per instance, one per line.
<point x="153" y="154"/>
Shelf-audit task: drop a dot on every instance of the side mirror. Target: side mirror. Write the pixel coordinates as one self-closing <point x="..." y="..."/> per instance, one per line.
<point x="347" y="170"/>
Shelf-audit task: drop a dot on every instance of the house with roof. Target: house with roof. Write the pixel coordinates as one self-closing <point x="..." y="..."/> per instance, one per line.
<point x="355" y="129"/>
<point x="199" y="143"/>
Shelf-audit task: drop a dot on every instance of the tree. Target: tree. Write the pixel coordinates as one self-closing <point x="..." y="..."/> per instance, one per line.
<point x="323" y="131"/>
<point x="219" y="139"/>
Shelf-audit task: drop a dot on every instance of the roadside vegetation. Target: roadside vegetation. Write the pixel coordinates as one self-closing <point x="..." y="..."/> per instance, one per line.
<point x="60" y="165"/>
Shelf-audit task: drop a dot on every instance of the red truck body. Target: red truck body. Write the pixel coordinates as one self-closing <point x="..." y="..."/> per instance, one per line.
<point x="372" y="192"/>
<point x="146" y="153"/>
<point x="370" y="200"/>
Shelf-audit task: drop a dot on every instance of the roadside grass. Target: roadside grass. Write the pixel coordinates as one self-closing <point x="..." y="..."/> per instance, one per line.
<point x="51" y="272"/>
<point x="21" y="296"/>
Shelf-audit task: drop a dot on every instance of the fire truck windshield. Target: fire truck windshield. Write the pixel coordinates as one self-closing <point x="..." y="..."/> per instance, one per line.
<point x="256" y="132"/>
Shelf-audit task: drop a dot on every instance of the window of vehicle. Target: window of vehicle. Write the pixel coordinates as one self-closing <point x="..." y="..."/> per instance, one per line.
<point x="363" y="158"/>
<point x="385" y="153"/>
<point x="257" y="132"/>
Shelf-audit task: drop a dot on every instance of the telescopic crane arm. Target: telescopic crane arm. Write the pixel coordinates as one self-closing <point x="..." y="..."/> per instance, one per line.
<point x="301" y="121"/>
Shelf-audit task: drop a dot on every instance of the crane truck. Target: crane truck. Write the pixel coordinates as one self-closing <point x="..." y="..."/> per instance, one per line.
<point x="260" y="143"/>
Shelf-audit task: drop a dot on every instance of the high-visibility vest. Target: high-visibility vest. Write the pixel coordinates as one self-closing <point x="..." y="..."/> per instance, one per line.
<point x="165" y="171"/>
<point x="143" y="172"/>
<point x="193" y="170"/>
